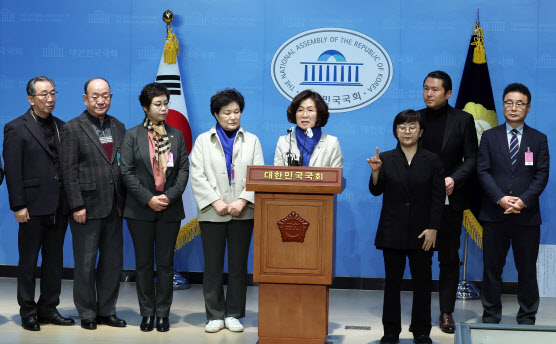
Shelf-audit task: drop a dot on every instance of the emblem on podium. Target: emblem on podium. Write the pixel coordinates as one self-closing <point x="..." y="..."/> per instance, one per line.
<point x="293" y="228"/>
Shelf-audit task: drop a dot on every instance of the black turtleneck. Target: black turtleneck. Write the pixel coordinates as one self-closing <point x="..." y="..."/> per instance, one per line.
<point x="435" y="125"/>
<point x="230" y="133"/>
<point x="49" y="132"/>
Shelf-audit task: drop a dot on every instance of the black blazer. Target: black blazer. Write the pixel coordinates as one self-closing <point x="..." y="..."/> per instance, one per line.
<point x="413" y="198"/>
<point x="458" y="153"/>
<point x="499" y="179"/>
<point x="31" y="172"/>
<point x="91" y="179"/>
<point x="138" y="178"/>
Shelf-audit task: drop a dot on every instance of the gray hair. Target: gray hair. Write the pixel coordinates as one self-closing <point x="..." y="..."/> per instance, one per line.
<point x="31" y="89"/>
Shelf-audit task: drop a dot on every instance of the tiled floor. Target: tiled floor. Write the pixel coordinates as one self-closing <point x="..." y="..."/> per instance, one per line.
<point x="347" y="307"/>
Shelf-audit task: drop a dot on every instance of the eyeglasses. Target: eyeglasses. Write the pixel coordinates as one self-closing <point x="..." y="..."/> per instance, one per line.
<point x="519" y="105"/>
<point x="411" y="129"/>
<point x="159" y="105"/>
<point x="301" y="111"/>
<point x="96" y="97"/>
<point x="46" y="95"/>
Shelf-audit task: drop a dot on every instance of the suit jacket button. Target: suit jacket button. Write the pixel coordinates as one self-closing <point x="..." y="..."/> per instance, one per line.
<point x="111" y="182"/>
<point x="408" y="203"/>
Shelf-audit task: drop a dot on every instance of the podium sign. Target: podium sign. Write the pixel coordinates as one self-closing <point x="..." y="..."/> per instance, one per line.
<point x="293" y="250"/>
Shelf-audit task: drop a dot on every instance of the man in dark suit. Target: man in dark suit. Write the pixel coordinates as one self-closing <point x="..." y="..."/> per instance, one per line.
<point x="31" y="155"/>
<point x="451" y="134"/>
<point x="90" y="169"/>
<point x="512" y="165"/>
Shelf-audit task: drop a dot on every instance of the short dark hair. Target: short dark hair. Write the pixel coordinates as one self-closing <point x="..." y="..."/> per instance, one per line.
<point x="406" y="116"/>
<point x="517" y="87"/>
<point x="446" y="80"/>
<point x="90" y="80"/>
<point x="322" y="107"/>
<point x="225" y="97"/>
<point x="154" y="89"/>
<point x="31" y="89"/>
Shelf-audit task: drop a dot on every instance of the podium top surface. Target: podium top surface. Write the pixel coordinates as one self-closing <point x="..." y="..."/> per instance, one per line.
<point x="295" y="179"/>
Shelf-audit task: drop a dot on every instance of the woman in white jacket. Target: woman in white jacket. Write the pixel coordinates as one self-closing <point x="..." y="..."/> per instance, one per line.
<point x="218" y="173"/>
<point x="306" y="144"/>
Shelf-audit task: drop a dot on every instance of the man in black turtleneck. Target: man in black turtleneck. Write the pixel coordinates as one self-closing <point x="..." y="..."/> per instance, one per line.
<point x="32" y="166"/>
<point x="451" y="134"/>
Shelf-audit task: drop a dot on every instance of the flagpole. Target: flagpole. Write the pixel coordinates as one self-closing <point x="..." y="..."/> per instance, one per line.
<point x="179" y="281"/>
<point x="466" y="290"/>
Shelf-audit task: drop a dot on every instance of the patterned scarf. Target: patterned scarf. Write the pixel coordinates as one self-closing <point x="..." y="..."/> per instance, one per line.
<point x="161" y="144"/>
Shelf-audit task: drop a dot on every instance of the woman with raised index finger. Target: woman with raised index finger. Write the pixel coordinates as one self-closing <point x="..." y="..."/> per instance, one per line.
<point x="411" y="180"/>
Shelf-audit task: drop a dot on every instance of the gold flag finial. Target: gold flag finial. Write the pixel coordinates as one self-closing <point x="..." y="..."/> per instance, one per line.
<point x="168" y="17"/>
<point x="171" y="45"/>
<point x="479" y="54"/>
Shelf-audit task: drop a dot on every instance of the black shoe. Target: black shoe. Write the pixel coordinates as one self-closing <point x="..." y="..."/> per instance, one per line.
<point x="422" y="339"/>
<point x="162" y="324"/>
<point x="147" y="324"/>
<point x="389" y="339"/>
<point x="89" y="324"/>
<point x="111" y="320"/>
<point x="30" y="323"/>
<point x="56" y="319"/>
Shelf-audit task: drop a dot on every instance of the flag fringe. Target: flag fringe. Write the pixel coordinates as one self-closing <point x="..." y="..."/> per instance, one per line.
<point x="187" y="233"/>
<point x="171" y="47"/>
<point x="479" y="54"/>
<point x="473" y="228"/>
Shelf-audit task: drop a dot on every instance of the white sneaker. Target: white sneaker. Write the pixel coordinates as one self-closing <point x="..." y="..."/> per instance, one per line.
<point x="233" y="324"/>
<point x="214" y="326"/>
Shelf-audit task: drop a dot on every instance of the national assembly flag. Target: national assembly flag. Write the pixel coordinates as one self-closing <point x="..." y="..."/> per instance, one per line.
<point x="169" y="75"/>
<point x="475" y="97"/>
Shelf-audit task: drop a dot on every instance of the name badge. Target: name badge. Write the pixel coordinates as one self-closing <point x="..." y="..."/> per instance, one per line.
<point x="118" y="158"/>
<point x="528" y="158"/>
<point x="233" y="177"/>
<point x="170" y="160"/>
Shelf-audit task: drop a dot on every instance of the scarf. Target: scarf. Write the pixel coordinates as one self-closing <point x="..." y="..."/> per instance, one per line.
<point x="307" y="144"/>
<point x="161" y="144"/>
<point x="228" y="147"/>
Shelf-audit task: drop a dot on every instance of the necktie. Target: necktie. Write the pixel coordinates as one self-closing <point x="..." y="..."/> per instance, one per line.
<point x="514" y="147"/>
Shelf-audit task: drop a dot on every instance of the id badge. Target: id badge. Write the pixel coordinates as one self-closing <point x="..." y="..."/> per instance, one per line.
<point x="118" y="158"/>
<point x="170" y="162"/>
<point x="232" y="178"/>
<point x="528" y="158"/>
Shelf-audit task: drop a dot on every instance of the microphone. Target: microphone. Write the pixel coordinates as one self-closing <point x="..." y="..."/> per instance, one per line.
<point x="292" y="161"/>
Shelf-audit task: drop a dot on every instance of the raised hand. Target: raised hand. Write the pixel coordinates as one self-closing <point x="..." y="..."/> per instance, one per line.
<point x="374" y="162"/>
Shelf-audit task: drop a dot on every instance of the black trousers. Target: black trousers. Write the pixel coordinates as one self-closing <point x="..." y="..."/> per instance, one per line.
<point x="237" y="234"/>
<point x="420" y="262"/>
<point x="95" y="291"/>
<point x="525" y="240"/>
<point x="33" y="237"/>
<point x="447" y="243"/>
<point x="154" y="240"/>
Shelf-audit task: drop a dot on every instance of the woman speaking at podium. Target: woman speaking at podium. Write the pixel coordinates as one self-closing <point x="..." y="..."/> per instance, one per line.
<point x="411" y="180"/>
<point x="218" y="175"/>
<point x="306" y="144"/>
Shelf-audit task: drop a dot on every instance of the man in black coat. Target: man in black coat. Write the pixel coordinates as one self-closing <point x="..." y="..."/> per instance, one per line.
<point x="451" y="134"/>
<point x="513" y="166"/>
<point x="32" y="166"/>
<point x="90" y="168"/>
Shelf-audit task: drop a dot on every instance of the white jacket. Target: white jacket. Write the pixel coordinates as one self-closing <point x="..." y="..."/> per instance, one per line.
<point x="327" y="153"/>
<point x="209" y="177"/>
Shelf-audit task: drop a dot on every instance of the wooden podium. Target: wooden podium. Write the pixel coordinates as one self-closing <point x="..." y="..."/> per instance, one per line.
<point x="293" y="250"/>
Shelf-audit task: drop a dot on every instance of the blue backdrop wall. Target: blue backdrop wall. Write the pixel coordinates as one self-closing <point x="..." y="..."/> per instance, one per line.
<point x="231" y="44"/>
